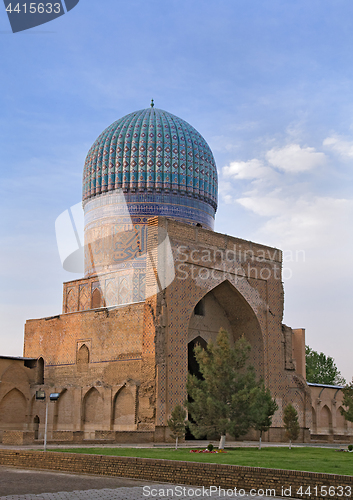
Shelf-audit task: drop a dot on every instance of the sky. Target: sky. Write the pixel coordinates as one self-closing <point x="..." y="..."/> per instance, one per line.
<point x="269" y="85"/>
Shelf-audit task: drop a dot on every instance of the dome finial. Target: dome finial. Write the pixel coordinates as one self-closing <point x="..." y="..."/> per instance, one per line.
<point x="152" y="103"/>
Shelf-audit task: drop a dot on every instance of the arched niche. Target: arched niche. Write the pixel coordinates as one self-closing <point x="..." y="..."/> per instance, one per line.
<point x="341" y="422"/>
<point x="325" y="419"/>
<point x="64" y="410"/>
<point x="82" y="355"/>
<point x="84" y="300"/>
<point x="40" y="371"/>
<point x="123" y="415"/>
<point x="96" y="301"/>
<point x="225" y="307"/>
<point x="13" y="409"/>
<point x="71" y="302"/>
<point x="92" y="411"/>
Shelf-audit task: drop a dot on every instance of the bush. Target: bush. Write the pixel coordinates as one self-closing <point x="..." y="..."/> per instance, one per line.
<point x="350" y="447"/>
<point x="210" y="447"/>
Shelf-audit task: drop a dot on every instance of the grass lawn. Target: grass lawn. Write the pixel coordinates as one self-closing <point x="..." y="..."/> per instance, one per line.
<point x="305" y="459"/>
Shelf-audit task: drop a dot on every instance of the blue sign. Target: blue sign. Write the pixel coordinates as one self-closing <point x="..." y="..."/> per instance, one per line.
<point x="25" y="15"/>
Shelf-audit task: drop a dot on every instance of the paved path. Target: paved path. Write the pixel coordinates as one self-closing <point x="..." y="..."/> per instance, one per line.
<point x="18" y="484"/>
<point x="14" y="483"/>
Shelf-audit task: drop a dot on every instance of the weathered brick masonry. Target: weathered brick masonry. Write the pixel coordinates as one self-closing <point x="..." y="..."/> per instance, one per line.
<point x="177" y="472"/>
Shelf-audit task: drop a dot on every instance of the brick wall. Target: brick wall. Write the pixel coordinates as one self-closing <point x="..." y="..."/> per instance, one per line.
<point x="177" y="472"/>
<point x="327" y="422"/>
<point x="109" y="335"/>
<point x="17" y="437"/>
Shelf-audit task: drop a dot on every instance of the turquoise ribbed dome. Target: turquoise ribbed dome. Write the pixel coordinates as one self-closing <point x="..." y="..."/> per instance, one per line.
<point x="151" y="151"/>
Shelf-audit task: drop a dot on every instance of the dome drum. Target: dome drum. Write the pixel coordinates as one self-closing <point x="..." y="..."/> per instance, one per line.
<point x="118" y="220"/>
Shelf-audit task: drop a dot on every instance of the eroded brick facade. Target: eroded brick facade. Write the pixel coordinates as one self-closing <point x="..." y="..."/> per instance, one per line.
<point x="124" y="368"/>
<point x="121" y="370"/>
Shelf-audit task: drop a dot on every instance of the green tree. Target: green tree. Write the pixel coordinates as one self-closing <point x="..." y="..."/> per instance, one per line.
<point x="321" y="369"/>
<point x="348" y="402"/>
<point x="177" y="423"/>
<point x="291" y="424"/>
<point x="222" y="401"/>
<point x="263" y="409"/>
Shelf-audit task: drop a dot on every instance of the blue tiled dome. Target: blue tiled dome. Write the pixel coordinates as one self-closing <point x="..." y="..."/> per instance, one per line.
<point x="151" y="151"/>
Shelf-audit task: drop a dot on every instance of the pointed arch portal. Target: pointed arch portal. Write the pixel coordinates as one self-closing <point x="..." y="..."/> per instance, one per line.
<point x="225" y="307"/>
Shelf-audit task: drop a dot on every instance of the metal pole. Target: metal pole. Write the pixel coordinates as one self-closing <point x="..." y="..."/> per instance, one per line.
<point x="46" y="425"/>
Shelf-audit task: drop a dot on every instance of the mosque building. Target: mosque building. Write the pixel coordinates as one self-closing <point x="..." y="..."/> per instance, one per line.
<point x="158" y="279"/>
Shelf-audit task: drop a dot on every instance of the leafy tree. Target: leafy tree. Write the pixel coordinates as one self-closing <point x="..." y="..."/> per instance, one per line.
<point x="321" y="369"/>
<point x="291" y="424"/>
<point x="348" y="402"/>
<point x="222" y="401"/>
<point x="263" y="409"/>
<point x="177" y="424"/>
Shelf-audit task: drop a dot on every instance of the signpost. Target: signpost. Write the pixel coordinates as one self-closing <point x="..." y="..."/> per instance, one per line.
<point x="40" y="396"/>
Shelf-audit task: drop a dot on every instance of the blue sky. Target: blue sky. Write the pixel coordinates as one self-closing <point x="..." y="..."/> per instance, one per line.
<point x="268" y="84"/>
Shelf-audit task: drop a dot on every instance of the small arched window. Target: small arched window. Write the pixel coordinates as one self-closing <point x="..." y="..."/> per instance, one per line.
<point x="40" y="371"/>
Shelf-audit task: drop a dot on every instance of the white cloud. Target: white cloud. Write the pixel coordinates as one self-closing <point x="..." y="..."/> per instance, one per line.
<point x="222" y="143"/>
<point x="340" y="146"/>
<point x="290" y="159"/>
<point x="305" y="222"/>
<point x="294" y="159"/>
<point x="297" y="213"/>
<point x="252" y="169"/>
<point x="224" y="191"/>
<point x="267" y="206"/>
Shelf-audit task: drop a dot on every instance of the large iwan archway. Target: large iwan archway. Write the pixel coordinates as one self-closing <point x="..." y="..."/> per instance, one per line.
<point x="225" y="307"/>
